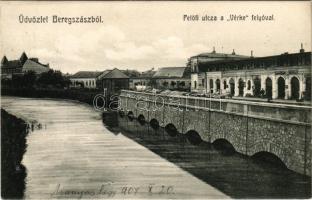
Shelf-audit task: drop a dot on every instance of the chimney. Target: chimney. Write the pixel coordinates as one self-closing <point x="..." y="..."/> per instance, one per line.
<point x="214" y="50"/>
<point x="251" y="54"/>
<point x="302" y="49"/>
<point x="233" y="53"/>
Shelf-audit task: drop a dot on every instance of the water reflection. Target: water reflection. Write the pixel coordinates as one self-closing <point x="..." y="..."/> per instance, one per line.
<point x="217" y="164"/>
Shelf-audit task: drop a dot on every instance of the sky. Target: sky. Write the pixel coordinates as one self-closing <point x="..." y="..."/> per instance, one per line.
<point x="145" y="35"/>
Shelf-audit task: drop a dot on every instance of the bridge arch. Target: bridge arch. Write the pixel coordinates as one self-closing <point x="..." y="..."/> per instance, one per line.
<point x="171" y="130"/>
<point x="193" y="137"/>
<point x="154" y="124"/>
<point x="277" y="153"/>
<point x="130" y="115"/>
<point x="265" y="157"/>
<point x="141" y="119"/>
<point x="225" y="146"/>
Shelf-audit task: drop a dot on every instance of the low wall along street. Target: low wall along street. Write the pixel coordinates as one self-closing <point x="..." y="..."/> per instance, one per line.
<point x="252" y="128"/>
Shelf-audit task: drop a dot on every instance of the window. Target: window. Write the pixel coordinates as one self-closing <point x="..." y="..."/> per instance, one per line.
<point x="218" y="84"/>
<point x="211" y="83"/>
<point x="248" y="85"/>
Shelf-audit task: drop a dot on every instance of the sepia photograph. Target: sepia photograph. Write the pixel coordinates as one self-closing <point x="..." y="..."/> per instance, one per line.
<point x="155" y="99"/>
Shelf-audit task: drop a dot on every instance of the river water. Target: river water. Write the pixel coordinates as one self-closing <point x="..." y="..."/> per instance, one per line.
<point x="74" y="152"/>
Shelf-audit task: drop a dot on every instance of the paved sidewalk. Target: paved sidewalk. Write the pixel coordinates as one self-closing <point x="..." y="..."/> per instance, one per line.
<point x="307" y="103"/>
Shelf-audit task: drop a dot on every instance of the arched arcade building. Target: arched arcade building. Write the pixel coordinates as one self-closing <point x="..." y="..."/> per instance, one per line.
<point x="285" y="76"/>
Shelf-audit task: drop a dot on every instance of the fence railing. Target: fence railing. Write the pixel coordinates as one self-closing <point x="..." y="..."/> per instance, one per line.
<point x="272" y="111"/>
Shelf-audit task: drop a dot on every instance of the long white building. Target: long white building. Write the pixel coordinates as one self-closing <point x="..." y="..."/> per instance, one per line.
<point x="285" y="76"/>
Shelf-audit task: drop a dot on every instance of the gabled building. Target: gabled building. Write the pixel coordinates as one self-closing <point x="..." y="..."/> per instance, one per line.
<point x="195" y="62"/>
<point x="20" y="66"/>
<point x="173" y="78"/>
<point x="113" y="80"/>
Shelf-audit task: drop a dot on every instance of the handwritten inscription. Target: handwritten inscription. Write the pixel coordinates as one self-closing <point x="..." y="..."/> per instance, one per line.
<point x="107" y="190"/>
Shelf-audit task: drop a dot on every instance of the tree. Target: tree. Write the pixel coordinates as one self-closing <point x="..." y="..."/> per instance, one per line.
<point x="29" y="78"/>
<point x="53" y="78"/>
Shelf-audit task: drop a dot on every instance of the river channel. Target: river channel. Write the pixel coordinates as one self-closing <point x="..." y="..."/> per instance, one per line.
<point x="74" y="151"/>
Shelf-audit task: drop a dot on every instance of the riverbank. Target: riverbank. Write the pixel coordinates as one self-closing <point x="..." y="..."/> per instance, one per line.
<point x="13" y="147"/>
<point x="82" y="95"/>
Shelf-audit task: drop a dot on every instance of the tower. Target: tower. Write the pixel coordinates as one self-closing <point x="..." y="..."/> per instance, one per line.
<point x="23" y="58"/>
<point x="4" y="60"/>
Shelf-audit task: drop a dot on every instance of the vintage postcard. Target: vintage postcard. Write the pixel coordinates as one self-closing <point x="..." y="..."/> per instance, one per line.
<point x="155" y="100"/>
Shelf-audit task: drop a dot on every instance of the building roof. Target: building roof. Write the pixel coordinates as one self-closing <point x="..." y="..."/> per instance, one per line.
<point x="86" y="74"/>
<point x="147" y="74"/>
<point x="23" y="58"/>
<point x="107" y="74"/>
<point x="285" y="59"/>
<point x="220" y="55"/>
<point x="34" y="62"/>
<point x="172" y="72"/>
<point x="113" y="74"/>
<point x="37" y="67"/>
<point x="12" y="64"/>
<point x="4" y="60"/>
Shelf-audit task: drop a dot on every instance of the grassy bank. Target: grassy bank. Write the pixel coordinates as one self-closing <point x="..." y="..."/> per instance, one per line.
<point x="13" y="147"/>
<point x="82" y="95"/>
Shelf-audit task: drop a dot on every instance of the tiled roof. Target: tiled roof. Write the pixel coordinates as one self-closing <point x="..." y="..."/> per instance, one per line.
<point x="171" y="72"/>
